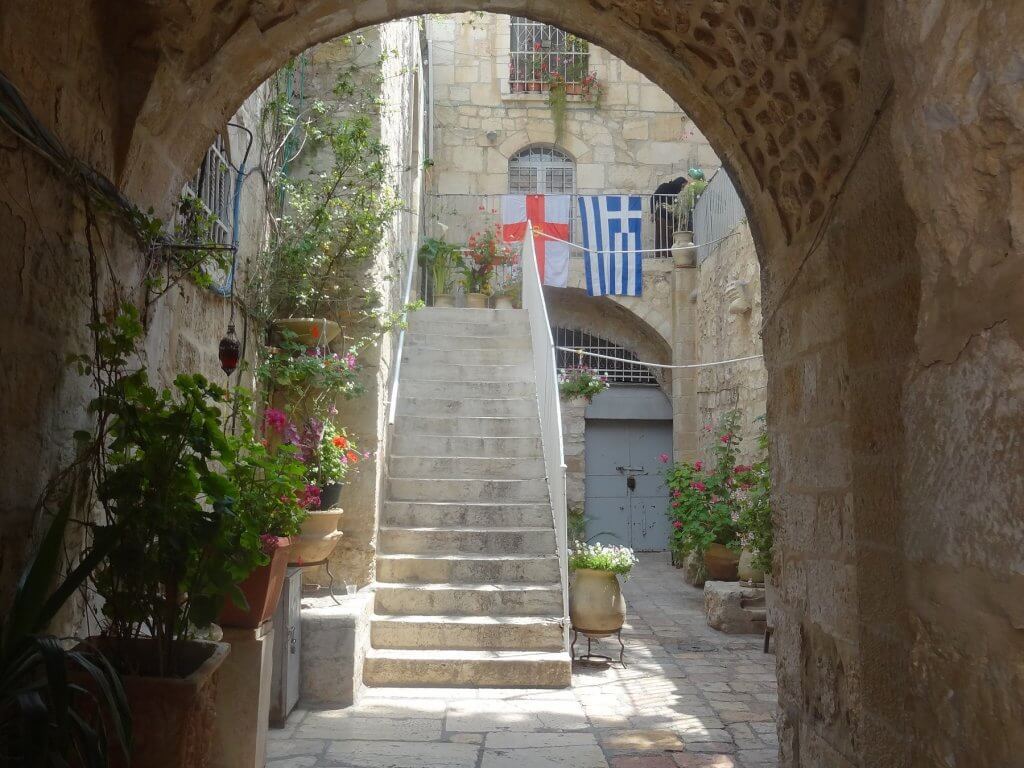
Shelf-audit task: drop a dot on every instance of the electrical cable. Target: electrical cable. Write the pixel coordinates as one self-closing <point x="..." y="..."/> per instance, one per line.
<point x="582" y="352"/>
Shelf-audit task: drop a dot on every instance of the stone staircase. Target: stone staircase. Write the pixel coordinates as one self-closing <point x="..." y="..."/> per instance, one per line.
<point x="468" y="589"/>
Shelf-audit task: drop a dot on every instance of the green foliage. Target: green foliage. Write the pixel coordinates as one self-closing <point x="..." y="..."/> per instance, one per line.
<point x="269" y="482"/>
<point x="580" y="381"/>
<point x="577" y="524"/>
<point x="602" y="557"/>
<point x="333" y="458"/>
<point x="161" y="486"/>
<point x="755" y="508"/>
<point x="314" y="373"/>
<point x="57" y="706"/>
<point x="705" y="501"/>
<point x="558" y="104"/>
<point x="485" y="252"/>
<point x="439" y="258"/>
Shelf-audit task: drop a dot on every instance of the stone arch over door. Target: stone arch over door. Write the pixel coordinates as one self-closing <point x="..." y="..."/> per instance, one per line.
<point x="880" y="166"/>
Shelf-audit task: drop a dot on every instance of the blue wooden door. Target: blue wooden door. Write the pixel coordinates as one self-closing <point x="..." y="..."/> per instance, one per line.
<point x="626" y="495"/>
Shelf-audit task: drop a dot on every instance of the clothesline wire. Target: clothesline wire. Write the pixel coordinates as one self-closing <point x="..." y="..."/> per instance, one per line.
<point x="537" y="232"/>
<point x="582" y="352"/>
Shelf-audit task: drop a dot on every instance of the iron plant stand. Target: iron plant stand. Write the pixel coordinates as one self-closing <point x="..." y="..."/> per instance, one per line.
<point x="589" y="657"/>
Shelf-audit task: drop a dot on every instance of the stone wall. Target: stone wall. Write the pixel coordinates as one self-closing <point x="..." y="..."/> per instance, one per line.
<point x="386" y="61"/>
<point x="728" y="309"/>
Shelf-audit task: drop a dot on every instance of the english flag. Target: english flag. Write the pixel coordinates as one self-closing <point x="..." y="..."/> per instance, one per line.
<point x="548" y="214"/>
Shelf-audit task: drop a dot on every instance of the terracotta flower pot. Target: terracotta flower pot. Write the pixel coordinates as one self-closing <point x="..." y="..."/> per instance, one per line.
<point x="444" y="300"/>
<point x="318" y="538"/>
<point x="172" y="717"/>
<point x="476" y="300"/>
<point x="309" y="331"/>
<point x="682" y="251"/>
<point x="721" y="563"/>
<point x="596" y="605"/>
<point x="262" y="590"/>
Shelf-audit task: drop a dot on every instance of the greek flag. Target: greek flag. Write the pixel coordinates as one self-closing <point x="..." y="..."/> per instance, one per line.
<point x="612" y="229"/>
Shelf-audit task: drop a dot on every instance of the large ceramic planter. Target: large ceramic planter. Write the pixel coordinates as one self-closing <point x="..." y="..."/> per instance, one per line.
<point x="444" y="300"/>
<point x="503" y="302"/>
<point x="683" y="253"/>
<point x="309" y="331"/>
<point x="476" y="300"/>
<point x="722" y="563"/>
<point x="746" y="570"/>
<point x="172" y="717"/>
<point x="317" y="539"/>
<point x="596" y="605"/>
<point x="262" y="590"/>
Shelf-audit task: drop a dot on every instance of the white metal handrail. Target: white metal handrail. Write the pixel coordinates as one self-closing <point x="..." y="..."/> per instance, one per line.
<point x="546" y="373"/>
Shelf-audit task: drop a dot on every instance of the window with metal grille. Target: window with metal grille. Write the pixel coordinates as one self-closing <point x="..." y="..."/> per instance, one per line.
<point x="541" y="170"/>
<point x="537" y="52"/>
<point x="617" y="372"/>
<point x="212" y="187"/>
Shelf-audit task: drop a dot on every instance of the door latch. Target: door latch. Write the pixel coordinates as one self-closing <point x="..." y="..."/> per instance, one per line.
<point x="631" y="482"/>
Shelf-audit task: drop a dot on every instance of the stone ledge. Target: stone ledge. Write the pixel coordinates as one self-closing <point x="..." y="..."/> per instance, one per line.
<point x="334" y="642"/>
<point x="734" y="608"/>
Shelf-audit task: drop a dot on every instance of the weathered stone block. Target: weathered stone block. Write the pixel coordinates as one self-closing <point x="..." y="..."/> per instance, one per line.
<point x="734" y="608"/>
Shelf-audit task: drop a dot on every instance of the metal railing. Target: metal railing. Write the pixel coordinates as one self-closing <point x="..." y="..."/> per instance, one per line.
<point x="718" y="211"/>
<point x="549" y="404"/>
<point x="538" y="51"/>
<point x="456" y="217"/>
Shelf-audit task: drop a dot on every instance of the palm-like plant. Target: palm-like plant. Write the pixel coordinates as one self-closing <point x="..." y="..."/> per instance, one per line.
<point x="58" y="707"/>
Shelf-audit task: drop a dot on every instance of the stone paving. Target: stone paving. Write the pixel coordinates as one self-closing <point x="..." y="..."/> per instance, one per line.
<point x="689" y="698"/>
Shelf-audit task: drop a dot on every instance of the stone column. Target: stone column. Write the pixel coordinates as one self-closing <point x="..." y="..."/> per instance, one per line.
<point x="685" y="425"/>
<point x="243" y="699"/>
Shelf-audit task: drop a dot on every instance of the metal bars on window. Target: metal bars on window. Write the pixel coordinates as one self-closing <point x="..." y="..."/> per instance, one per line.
<point x="615" y="371"/>
<point x="212" y="187"/>
<point x="539" y="52"/>
<point x="541" y="170"/>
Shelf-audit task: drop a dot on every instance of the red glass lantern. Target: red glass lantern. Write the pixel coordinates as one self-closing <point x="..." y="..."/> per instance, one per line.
<point x="230" y="351"/>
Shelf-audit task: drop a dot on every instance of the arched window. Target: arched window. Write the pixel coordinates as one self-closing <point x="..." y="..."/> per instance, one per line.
<point x="541" y="170"/>
<point x="617" y="372"/>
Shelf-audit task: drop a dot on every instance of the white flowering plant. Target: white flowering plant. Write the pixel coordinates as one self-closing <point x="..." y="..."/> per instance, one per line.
<point x="602" y="557"/>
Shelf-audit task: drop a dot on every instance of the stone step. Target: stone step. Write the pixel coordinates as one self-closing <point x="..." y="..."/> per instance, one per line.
<point x="469" y="426"/>
<point x="498" y="633"/>
<point x="489" y="541"/>
<point x="503" y="669"/>
<point x="407" y="444"/>
<point x="467" y="371"/>
<point x="452" y="389"/>
<point x="433" y="567"/>
<point x="497" y="317"/>
<point x="469" y="489"/>
<point x="495" y="599"/>
<point x="449" y="341"/>
<point x="425" y="356"/>
<point x="424" y="514"/>
<point x="438" y="467"/>
<point x="474" y="406"/>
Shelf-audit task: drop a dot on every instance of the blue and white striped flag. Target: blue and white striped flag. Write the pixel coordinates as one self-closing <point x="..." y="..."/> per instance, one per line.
<point x="612" y="234"/>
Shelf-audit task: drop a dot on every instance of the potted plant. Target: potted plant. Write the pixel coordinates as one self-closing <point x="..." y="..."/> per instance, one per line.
<point x="177" y="553"/>
<point x="596" y="605"/>
<point x="327" y="454"/>
<point x="305" y="381"/>
<point x="757" y="536"/>
<point x="439" y="258"/>
<point x="580" y="381"/>
<point x="705" y="503"/>
<point x="509" y="290"/>
<point x="269" y="508"/>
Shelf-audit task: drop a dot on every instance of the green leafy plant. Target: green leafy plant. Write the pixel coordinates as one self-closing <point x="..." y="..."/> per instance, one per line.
<point x="755" y="519"/>
<point x="439" y="258"/>
<point x="705" y="501"/>
<point x="161" y="485"/>
<point x="558" y="102"/>
<point x="58" y="707"/>
<point x="577" y="524"/>
<point x="602" y="557"/>
<point x="298" y="372"/>
<point x="580" y="381"/>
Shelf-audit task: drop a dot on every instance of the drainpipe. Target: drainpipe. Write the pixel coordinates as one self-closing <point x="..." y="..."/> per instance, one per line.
<point x="236" y="203"/>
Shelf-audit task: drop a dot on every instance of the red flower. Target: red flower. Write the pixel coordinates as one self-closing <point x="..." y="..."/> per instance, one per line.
<point x="698" y="486"/>
<point x="698" y="465"/>
<point x="741" y="468"/>
<point x="726" y="437"/>
<point x="677" y="525"/>
<point x="352" y="456"/>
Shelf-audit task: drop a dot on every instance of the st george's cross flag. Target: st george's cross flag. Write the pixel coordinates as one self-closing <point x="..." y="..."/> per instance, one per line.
<point x="612" y="237"/>
<point x="549" y="215"/>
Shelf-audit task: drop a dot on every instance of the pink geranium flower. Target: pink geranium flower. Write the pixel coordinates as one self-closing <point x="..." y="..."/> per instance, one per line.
<point x="275" y="419"/>
<point x="698" y="486"/>
<point x="677" y="525"/>
<point x="698" y="465"/>
<point x="663" y="458"/>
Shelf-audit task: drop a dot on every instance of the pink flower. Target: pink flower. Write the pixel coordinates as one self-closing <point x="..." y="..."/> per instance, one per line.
<point x="741" y="468"/>
<point x="677" y="525"/>
<point x="726" y="437"/>
<point x="275" y="419"/>
<point x="714" y="499"/>
<point x="676" y="494"/>
<point x="350" y="361"/>
<point x="663" y="458"/>
<point x="310" y="498"/>
<point x="698" y="486"/>
<point x="269" y="543"/>
<point x="699" y="466"/>
<point x="707" y="427"/>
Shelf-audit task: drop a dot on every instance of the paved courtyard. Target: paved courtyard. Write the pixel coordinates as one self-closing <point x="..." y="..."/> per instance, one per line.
<point x="689" y="697"/>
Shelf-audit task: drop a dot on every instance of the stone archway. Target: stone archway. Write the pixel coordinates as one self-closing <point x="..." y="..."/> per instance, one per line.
<point x="894" y="322"/>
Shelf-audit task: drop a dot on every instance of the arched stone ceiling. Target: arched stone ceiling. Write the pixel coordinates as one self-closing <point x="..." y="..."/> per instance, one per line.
<point x="769" y="82"/>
